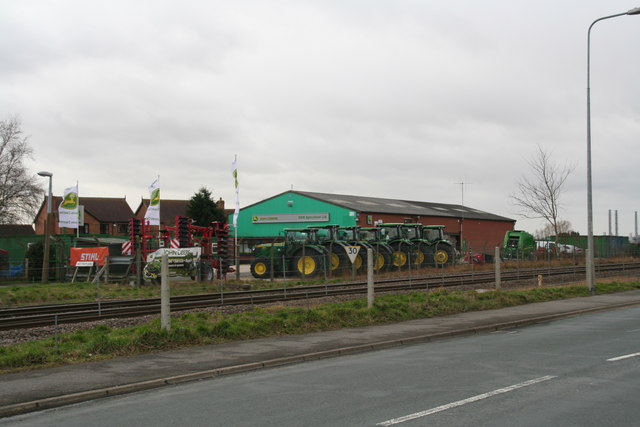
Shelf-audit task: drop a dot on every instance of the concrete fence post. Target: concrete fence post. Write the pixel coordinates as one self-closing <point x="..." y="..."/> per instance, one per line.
<point x="165" y="309"/>
<point x="497" y="265"/>
<point x="370" y="294"/>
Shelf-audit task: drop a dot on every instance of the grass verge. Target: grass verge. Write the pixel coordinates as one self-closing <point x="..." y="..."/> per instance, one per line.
<point x="57" y="293"/>
<point x="190" y="329"/>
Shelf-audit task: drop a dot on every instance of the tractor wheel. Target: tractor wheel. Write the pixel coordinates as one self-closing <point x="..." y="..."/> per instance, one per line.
<point x="261" y="268"/>
<point x="338" y="260"/>
<point x="400" y="258"/>
<point x="443" y="255"/>
<point x="419" y="257"/>
<point x="359" y="261"/>
<point x="429" y="257"/>
<point x="381" y="260"/>
<point x="307" y="266"/>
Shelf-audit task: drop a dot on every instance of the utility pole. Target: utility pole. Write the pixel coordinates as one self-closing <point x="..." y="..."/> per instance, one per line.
<point x="462" y="183"/>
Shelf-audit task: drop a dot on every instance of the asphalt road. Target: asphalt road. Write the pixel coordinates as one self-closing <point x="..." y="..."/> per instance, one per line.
<point x="578" y="371"/>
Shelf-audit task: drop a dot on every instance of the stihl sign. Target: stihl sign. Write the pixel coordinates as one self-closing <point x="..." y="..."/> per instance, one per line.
<point x="82" y="255"/>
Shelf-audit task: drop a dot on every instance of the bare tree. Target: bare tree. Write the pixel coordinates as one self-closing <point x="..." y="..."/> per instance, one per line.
<point x="539" y="197"/>
<point x="564" y="228"/>
<point x="19" y="191"/>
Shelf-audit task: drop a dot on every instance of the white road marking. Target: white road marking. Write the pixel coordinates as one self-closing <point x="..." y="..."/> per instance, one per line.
<point x="465" y="401"/>
<point x="626" y="356"/>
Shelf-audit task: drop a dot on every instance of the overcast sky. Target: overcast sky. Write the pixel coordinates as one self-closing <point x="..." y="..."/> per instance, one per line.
<point x="394" y="99"/>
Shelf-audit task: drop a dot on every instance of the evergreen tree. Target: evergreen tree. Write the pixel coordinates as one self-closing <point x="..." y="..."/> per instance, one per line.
<point x="203" y="209"/>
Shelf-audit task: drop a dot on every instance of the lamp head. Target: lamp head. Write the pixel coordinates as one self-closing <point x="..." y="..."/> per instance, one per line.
<point x="45" y="173"/>
<point x="634" y="11"/>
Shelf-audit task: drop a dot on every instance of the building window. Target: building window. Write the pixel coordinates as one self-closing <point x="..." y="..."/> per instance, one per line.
<point x="104" y="228"/>
<point x="369" y="219"/>
<point x="84" y="229"/>
<point x="123" y="228"/>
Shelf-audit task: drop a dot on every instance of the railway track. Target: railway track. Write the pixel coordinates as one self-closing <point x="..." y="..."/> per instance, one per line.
<point x="47" y="315"/>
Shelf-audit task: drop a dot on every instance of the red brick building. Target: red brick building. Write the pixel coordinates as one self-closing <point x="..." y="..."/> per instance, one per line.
<point x="170" y="209"/>
<point x="102" y="215"/>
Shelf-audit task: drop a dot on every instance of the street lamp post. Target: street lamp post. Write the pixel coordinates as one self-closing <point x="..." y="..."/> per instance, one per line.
<point x="591" y="272"/>
<point x="47" y="231"/>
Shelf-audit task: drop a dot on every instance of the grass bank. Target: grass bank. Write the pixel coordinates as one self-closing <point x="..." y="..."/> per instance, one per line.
<point x="191" y="329"/>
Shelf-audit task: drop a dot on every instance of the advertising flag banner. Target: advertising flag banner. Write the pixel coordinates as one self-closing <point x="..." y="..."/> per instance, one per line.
<point x="234" y="171"/>
<point x="68" y="211"/>
<point x="153" y="210"/>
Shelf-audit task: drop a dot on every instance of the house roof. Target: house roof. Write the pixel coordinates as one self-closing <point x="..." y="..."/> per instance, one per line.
<point x="16" y="230"/>
<point x="398" y="206"/>
<point x="103" y="209"/>
<point x="169" y="209"/>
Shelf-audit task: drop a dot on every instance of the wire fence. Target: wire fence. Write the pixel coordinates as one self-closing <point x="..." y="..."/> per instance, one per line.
<point x="333" y="261"/>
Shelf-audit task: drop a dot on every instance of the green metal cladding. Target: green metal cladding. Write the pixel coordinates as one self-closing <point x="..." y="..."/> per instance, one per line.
<point x="289" y="210"/>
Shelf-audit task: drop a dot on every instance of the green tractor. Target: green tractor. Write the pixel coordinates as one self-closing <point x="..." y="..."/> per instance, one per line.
<point x="442" y="251"/>
<point x="334" y="239"/>
<point x="300" y="253"/>
<point x="424" y="253"/>
<point x="370" y="238"/>
<point x="398" y="238"/>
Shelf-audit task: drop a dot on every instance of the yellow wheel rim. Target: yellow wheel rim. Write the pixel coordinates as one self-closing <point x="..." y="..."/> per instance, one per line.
<point x="358" y="262"/>
<point x="306" y="265"/>
<point x="335" y="261"/>
<point x="399" y="258"/>
<point x="378" y="261"/>
<point x="419" y="258"/>
<point x="260" y="268"/>
<point x="442" y="257"/>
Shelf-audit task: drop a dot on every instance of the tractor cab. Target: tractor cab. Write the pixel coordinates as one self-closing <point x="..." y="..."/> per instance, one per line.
<point x="432" y="233"/>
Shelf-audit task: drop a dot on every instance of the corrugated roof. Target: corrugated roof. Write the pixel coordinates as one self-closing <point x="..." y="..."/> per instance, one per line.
<point x="397" y="206"/>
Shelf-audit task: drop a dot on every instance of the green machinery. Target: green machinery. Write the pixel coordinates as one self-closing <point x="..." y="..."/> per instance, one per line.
<point x="369" y="238"/>
<point x="442" y="250"/>
<point x="374" y="237"/>
<point x="301" y="253"/>
<point x="429" y="245"/>
<point x="338" y="244"/>
<point x="307" y="251"/>
<point x="518" y="245"/>
<point x="398" y="238"/>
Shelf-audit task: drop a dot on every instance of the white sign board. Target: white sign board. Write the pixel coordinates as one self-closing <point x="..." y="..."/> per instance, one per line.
<point x="89" y="263"/>
<point x="175" y="254"/>
<point x="301" y="217"/>
<point x="352" y="252"/>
